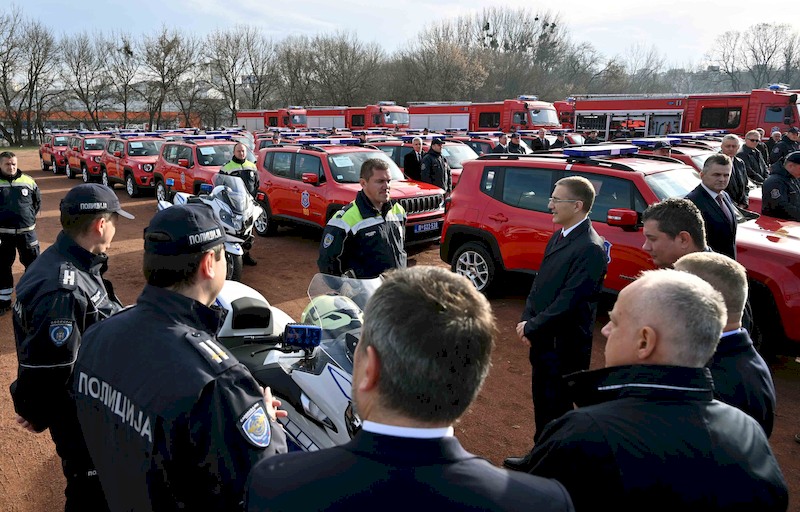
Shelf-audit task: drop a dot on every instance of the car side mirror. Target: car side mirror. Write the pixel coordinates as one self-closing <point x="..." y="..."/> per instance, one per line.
<point x="310" y="177"/>
<point x="623" y="218"/>
<point x="183" y="162"/>
<point x="117" y="153"/>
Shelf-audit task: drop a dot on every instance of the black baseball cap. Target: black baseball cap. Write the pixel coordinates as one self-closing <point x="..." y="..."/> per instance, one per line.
<point x="793" y="129"/>
<point x="185" y="229"/>
<point x="91" y="198"/>
<point x="437" y="140"/>
<point x="793" y="157"/>
<point x="514" y="135"/>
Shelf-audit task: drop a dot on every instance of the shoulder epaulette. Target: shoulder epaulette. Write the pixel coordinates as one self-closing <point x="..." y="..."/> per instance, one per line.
<point x="67" y="276"/>
<point x="218" y="358"/>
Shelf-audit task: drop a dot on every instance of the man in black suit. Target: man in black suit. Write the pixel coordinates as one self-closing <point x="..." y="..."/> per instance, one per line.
<point x="412" y="163"/>
<point x="718" y="210"/>
<point x="540" y="143"/>
<point x="502" y="144"/>
<point x="559" y="314"/>
<point x="413" y="376"/>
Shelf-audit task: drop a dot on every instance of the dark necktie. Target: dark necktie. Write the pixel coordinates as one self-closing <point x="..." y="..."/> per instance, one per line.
<point x="725" y="210"/>
<point x="419" y="157"/>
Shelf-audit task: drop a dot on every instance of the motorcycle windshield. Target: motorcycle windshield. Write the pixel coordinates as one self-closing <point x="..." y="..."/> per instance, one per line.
<point x="232" y="190"/>
<point x="336" y="304"/>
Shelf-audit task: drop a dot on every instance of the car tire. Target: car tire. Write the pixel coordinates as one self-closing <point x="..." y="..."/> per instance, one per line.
<point x="85" y="174"/>
<point x="44" y="165"/>
<point x="69" y="172"/>
<point x="264" y="225"/>
<point x="130" y="185"/>
<point x="473" y="261"/>
<point x="104" y="179"/>
<point x="162" y="194"/>
<point x="54" y="167"/>
<point x="233" y="267"/>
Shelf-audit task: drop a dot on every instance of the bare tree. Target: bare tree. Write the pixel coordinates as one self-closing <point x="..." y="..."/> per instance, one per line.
<point x="225" y="55"/>
<point x="166" y="57"/>
<point x="790" y="60"/>
<point x="260" y="69"/>
<point x="10" y="58"/>
<point x="727" y="57"/>
<point x="295" y="64"/>
<point x="123" y="66"/>
<point x="762" y="45"/>
<point x="345" y="68"/>
<point x="83" y="74"/>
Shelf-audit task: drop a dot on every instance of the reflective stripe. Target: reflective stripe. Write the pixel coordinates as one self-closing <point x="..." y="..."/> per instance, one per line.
<point x="5" y="294"/>
<point x="49" y="365"/>
<point x="393" y="217"/>
<point x="13" y="231"/>
<point x="654" y="386"/>
<point x="339" y="223"/>
<point x="366" y="223"/>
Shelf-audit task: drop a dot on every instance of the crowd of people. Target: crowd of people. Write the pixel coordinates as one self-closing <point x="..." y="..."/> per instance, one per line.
<point x="679" y="417"/>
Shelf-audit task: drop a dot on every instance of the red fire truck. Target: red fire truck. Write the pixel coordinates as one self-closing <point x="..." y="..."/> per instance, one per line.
<point x="615" y="115"/>
<point x="385" y="114"/>
<point x="524" y="112"/>
<point x="292" y="117"/>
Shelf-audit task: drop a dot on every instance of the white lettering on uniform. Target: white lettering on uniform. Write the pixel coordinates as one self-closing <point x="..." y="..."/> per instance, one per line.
<point x="69" y="278"/>
<point x="205" y="236"/>
<point x="94" y="206"/>
<point x="119" y="404"/>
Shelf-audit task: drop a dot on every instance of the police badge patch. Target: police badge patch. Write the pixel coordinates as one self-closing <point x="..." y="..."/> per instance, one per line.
<point x="25" y="192"/>
<point x="60" y="331"/>
<point x="775" y="193"/>
<point x="255" y="426"/>
<point x="327" y="241"/>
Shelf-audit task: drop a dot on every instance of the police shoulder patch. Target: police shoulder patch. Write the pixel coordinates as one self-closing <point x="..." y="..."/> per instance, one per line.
<point x="775" y="193"/>
<point x="68" y="277"/>
<point x="254" y="424"/>
<point x="327" y="241"/>
<point x="60" y="331"/>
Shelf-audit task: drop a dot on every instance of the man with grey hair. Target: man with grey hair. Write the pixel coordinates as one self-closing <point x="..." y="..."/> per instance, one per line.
<point x="647" y="428"/>
<point x="741" y="376"/>
<point x="412" y="162"/>
<point x="712" y="199"/>
<point x="738" y="187"/>
<point x="413" y="377"/>
<point x="754" y="162"/>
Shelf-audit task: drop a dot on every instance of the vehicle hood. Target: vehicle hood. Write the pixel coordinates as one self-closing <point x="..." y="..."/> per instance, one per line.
<point x="144" y="159"/>
<point x="413" y="188"/>
<point x="774" y="235"/>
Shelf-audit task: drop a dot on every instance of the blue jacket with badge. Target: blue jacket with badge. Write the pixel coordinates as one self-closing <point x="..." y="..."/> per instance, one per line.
<point x="172" y="420"/>
<point x="780" y="194"/>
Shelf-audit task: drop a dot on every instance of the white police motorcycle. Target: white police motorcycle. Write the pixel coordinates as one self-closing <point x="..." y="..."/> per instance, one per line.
<point x="308" y="366"/>
<point x="234" y="206"/>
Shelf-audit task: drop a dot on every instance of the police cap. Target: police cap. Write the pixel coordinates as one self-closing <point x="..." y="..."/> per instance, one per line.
<point x="91" y="198"/>
<point x="793" y="157"/>
<point x="437" y="140"/>
<point x="793" y="129"/>
<point x="185" y="229"/>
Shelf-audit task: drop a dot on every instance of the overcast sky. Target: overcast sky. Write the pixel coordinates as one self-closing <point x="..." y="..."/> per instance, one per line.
<point x="682" y="30"/>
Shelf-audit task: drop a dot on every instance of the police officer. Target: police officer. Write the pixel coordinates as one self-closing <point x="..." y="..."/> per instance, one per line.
<point x="560" y="142"/>
<point x="172" y="420"/>
<point x="245" y="169"/>
<point x="781" y="190"/>
<point x="515" y="145"/>
<point x="19" y="206"/>
<point x="62" y="294"/>
<point x="788" y="144"/>
<point x="366" y="237"/>
<point x="435" y="169"/>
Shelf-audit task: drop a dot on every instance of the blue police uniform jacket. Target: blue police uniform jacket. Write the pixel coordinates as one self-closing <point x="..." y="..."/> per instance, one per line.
<point x="59" y="297"/>
<point x="654" y="436"/>
<point x="172" y="420"/>
<point x="780" y="194"/>
<point x="20" y="201"/>
<point x="363" y="241"/>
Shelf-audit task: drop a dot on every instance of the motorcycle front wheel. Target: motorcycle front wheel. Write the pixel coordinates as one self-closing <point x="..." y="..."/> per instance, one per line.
<point x="234" y="267"/>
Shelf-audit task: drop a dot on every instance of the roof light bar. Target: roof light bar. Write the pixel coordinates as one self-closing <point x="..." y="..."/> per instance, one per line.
<point x="604" y="150"/>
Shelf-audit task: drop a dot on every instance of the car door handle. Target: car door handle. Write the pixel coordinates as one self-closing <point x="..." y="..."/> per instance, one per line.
<point x="499" y="217"/>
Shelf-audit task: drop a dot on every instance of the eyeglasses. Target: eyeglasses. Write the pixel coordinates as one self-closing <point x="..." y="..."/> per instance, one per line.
<point x="556" y="200"/>
<point x="754" y="140"/>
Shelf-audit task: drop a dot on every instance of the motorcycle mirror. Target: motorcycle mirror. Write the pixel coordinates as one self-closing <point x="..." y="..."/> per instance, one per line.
<point x="302" y="336"/>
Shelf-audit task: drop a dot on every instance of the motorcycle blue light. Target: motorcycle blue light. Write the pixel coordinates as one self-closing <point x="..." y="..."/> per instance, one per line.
<point x="206" y="188"/>
<point x="170" y="182"/>
<point x="603" y="150"/>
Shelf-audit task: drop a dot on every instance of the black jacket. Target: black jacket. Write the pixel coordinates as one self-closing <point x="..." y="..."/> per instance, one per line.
<point x="755" y="165"/>
<point x="436" y="171"/>
<point x="412" y="167"/>
<point x="742" y="378"/>
<point x="655" y="435"/>
<point x="738" y="187"/>
<point x="780" y="194"/>
<point x="783" y="148"/>
<point x="396" y="473"/>
<point x="20" y="201"/>
<point x="538" y="144"/>
<point x="720" y="232"/>
<point x="59" y="297"/>
<point x="362" y="241"/>
<point x="559" y="144"/>
<point x="500" y="149"/>
<point x="515" y="148"/>
<point x="172" y="420"/>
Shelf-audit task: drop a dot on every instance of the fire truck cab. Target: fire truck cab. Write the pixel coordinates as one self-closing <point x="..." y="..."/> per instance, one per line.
<point x="524" y="112"/>
<point x="386" y="114"/>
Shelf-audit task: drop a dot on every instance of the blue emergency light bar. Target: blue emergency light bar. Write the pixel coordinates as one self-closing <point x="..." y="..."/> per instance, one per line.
<point x="652" y="141"/>
<point x="527" y="97"/>
<point x="207" y="137"/>
<point x="300" y="134"/>
<point x="601" y="150"/>
<point x="386" y="103"/>
<point x="778" y="87"/>
<point x="415" y="130"/>
<point x="559" y="130"/>
<point x="428" y="136"/>
<point x="295" y="107"/>
<point x="489" y="134"/>
<point x="343" y="141"/>
<point x="688" y="135"/>
<point x="454" y="130"/>
<point x="714" y="133"/>
<point x="93" y="132"/>
<point x="371" y="131"/>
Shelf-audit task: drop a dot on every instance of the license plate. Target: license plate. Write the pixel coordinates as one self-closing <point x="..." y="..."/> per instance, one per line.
<point x="426" y="226"/>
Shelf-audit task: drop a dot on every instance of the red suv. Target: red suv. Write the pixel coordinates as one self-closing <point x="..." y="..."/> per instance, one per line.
<point x="52" y="152"/>
<point x="191" y="162"/>
<point x="308" y="182"/>
<point x="498" y="220"/>
<point x="455" y="152"/>
<point x="130" y="159"/>
<point x="84" y="154"/>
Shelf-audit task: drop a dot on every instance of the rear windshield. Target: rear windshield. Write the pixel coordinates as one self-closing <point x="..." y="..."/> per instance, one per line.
<point x="346" y="167"/>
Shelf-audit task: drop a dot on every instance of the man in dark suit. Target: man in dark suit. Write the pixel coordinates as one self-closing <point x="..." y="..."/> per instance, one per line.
<point x="412" y="163"/>
<point x="502" y="144"/>
<point x="718" y="210"/>
<point x="413" y="376"/>
<point x="540" y="143"/>
<point x="561" y="308"/>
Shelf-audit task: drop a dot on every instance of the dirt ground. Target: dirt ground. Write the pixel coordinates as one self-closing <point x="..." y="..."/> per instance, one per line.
<point x="498" y="424"/>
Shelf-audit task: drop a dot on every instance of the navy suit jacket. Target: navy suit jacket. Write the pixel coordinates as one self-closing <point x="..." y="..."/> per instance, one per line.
<point x="379" y="472"/>
<point x="720" y="232"/>
<point x="412" y="167"/>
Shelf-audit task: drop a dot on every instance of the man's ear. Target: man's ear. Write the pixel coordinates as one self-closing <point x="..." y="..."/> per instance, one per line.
<point x="685" y="238"/>
<point x="647" y="343"/>
<point x="206" y="268"/>
<point x="372" y="370"/>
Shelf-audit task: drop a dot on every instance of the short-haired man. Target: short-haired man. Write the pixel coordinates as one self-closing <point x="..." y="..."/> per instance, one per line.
<point x="502" y="144"/>
<point x="761" y="147"/>
<point x="21" y="201"/>
<point x="672" y="228"/>
<point x="781" y="190"/>
<point x="172" y="420"/>
<point x="719" y="212"/>
<point x="561" y="141"/>
<point x="413" y="377"/>
<point x="738" y="186"/>
<point x="435" y="169"/>
<point x="240" y="166"/>
<point x="62" y="294"/>
<point x="540" y="143"/>
<point x="789" y="143"/>
<point x="412" y="162"/>
<point x="366" y="237"/>
<point x="773" y="139"/>
<point x="647" y="428"/>
<point x="754" y="162"/>
<point x="558" y="320"/>
<point x="515" y="144"/>
<point x="591" y="137"/>
<point x="741" y="376"/>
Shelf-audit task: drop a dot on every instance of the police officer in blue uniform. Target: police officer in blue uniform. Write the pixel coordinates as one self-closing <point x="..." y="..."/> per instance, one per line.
<point x="172" y="420"/>
<point x="781" y="190"/>
<point x="62" y="294"/>
<point x="435" y="169"/>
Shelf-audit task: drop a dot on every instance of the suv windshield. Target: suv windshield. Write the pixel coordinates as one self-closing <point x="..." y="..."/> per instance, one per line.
<point x="456" y="154"/>
<point x="94" y="144"/>
<point x="346" y="167"/>
<point x="219" y="154"/>
<point x="144" y="147"/>
<point x="546" y="117"/>
<point x="396" y="117"/>
<point x="60" y="141"/>
<point x="675" y="183"/>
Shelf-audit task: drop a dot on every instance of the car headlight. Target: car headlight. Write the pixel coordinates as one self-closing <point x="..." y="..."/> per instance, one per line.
<point x="147" y="167"/>
<point x="96" y="159"/>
